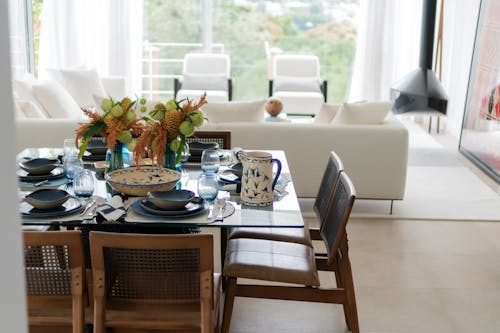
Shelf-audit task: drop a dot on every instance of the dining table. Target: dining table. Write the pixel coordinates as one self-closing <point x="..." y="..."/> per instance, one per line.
<point x="284" y="212"/>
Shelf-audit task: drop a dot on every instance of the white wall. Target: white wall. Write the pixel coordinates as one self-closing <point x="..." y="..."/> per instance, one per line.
<point x="12" y="305"/>
<point x="459" y="28"/>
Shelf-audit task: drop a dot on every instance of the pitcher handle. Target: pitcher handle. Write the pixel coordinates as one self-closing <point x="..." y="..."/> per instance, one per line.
<point x="278" y="172"/>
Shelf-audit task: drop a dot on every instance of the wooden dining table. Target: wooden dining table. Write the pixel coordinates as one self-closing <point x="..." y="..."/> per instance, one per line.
<point x="283" y="213"/>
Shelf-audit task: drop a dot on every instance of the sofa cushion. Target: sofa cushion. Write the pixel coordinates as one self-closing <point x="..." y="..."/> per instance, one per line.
<point x="82" y="84"/>
<point x="23" y="89"/>
<point x="326" y="113"/>
<point x="204" y="82"/>
<point x="56" y="100"/>
<point x="28" y="109"/>
<point x="296" y="83"/>
<point x="251" y="111"/>
<point x="369" y="113"/>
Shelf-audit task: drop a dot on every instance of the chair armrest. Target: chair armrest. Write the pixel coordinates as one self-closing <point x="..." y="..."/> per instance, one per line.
<point x="114" y="86"/>
<point x="324" y="89"/>
<point x="177" y="86"/>
<point x="270" y="88"/>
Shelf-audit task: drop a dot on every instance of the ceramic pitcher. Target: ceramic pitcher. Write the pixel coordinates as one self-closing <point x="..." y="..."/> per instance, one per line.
<point x="257" y="181"/>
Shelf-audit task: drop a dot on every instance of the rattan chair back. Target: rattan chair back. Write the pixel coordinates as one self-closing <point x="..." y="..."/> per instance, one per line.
<point x="333" y="230"/>
<point x="223" y="138"/>
<point x="145" y="274"/>
<point x="55" y="278"/>
<point x="326" y="188"/>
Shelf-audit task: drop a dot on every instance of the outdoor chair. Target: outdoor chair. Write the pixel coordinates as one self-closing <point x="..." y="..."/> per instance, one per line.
<point x="55" y="281"/>
<point x="205" y="72"/>
<point x="146" y="282"/>
<point x="297" y="83"/>
<point x="293" y="263"/>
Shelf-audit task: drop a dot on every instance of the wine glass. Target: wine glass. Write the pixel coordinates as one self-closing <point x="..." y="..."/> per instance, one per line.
<point x="210" y="161"/>
<point x="208" y="188"/>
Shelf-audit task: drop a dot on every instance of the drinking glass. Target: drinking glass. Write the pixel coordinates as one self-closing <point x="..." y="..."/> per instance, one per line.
<point x="71" y="164"/>
<point x="208" y="187"/>
<point x="69" y="147"/>
<point x="83" y="183"/>
<point x="210" y="161"/>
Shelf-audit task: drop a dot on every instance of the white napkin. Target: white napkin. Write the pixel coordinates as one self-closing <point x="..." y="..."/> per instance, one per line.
<point x="113" y="209"/>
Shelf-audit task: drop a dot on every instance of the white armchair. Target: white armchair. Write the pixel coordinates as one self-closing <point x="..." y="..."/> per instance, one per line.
<point x="296" y="82"/>
<point x="205" y="72"/>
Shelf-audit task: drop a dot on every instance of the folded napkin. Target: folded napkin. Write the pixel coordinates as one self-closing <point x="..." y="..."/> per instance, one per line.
<point x="113" y="209"/>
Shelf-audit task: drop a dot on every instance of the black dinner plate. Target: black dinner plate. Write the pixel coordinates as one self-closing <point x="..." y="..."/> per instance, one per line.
<point x="72" y="205"/>
<point x="56" y="173"/>
<point x="148" y="209"/>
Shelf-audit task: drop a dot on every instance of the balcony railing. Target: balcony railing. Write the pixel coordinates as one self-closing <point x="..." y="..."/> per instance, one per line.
<point x="162" y="62"/>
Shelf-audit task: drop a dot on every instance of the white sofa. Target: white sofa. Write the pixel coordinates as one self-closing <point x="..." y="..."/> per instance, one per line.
<point x="375" y="156"/>
<point x="62" y="93"/>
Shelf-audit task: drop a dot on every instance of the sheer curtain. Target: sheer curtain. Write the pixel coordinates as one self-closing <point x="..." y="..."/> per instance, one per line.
<point x="387" y="46"/>
<point x="101" y="34"/>
<point x="459" y="28"/>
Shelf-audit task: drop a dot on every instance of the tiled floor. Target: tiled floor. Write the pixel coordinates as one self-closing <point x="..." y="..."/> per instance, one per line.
<point x="410" y="276"/>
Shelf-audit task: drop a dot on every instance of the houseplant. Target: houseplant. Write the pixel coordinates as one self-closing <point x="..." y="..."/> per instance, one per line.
<point x="167" y="126"/>
<point x="118" y="125"/>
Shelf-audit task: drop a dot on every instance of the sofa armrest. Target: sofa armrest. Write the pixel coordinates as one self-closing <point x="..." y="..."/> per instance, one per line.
<point x="115" y="86"/>
<point x="44" y="133"/>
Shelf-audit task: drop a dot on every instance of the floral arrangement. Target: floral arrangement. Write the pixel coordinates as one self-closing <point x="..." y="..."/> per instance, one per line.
<point x="117" y="122"/>
<point x="167" y="127"/>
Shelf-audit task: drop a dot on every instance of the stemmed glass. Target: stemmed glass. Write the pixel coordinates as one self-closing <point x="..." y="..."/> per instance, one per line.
<point x="208" y="188"/>
<point x="210" y="161"/>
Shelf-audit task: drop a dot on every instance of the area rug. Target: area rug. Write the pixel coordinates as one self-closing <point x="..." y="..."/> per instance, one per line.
<point x="438" y="187"/>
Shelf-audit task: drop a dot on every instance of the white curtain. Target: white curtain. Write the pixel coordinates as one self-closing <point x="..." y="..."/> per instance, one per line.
<point x="17" y="39"/>
<point x="459" y="28"/>
<point x="101" y="34"/>
<point x="387" y="46"/>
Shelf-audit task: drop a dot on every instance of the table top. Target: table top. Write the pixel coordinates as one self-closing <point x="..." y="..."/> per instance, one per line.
<point x="284" y="212"/>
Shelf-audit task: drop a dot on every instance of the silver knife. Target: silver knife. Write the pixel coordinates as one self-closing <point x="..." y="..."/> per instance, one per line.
<point x="41" y="183"/>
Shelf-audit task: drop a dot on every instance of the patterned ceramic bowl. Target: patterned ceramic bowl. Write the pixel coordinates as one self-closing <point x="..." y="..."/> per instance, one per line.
<point x="138" y="182"/>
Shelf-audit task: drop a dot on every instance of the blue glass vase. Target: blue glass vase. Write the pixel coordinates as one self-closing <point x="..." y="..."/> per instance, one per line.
<point x="117" y="158"/>
<point x="169" y="162"/>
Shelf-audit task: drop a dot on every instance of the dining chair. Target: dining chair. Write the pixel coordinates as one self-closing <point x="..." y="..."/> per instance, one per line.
<point x="293" y="263"/>
<point x="297" y="83"/>
<point x="55" y="281"/>
<point x="205" y="72"/>
<point x="148" y="282"/>
<point x="301" y="235"/>
<point x="223" y="138"/>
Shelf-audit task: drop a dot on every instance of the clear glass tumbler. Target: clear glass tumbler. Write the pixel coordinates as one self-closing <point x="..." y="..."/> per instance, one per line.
<point x="83" y="183"/>
<point x="210" y="161"/>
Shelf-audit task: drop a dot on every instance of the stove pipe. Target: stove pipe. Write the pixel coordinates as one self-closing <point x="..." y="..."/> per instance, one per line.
<point x="420" y="90"/>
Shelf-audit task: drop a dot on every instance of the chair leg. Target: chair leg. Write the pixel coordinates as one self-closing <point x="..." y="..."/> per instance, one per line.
<point x="345" y="273"/>
<point x="344" y="305"/>
<point x="228" y="304"/>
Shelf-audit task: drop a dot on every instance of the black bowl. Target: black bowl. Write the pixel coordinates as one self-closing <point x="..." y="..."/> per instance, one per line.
<point x="196" y="148"/>
<point x="237" y="169"/>
<point x="39" y="166"/>
<point x="47" y="198"/>
<point x="170" y="200"/>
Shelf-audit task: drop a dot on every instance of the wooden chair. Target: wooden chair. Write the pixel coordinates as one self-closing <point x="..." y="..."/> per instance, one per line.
<point x="154" y="282"/>
<point x="297" y="235"/>
<point x="55" y="281"/>
<point x="223" y="138"/>
<point x="297" y="264"/>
